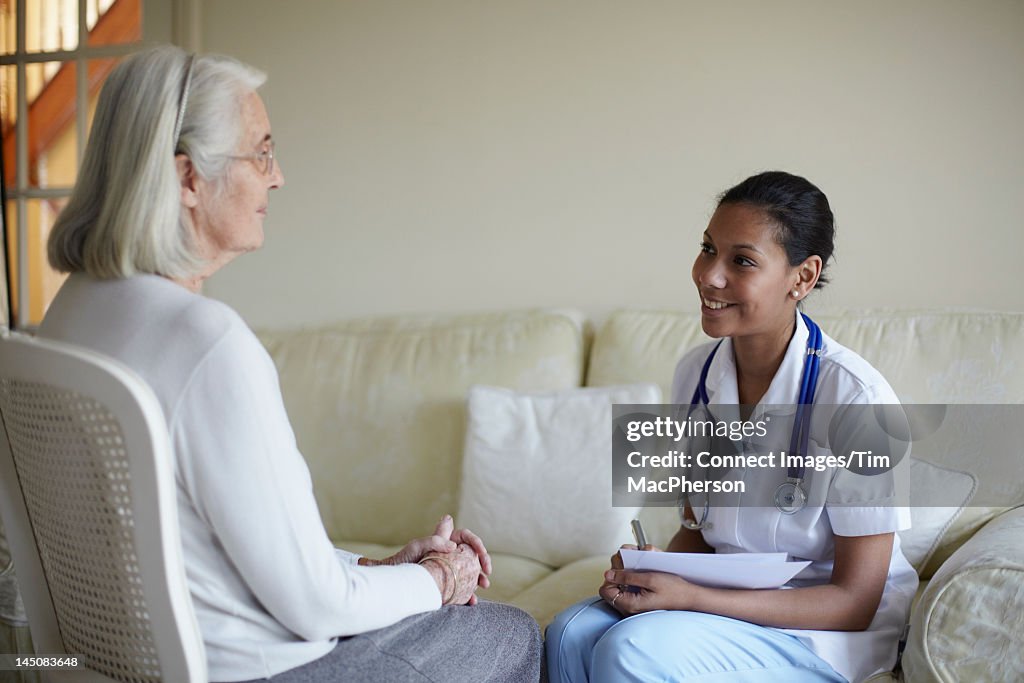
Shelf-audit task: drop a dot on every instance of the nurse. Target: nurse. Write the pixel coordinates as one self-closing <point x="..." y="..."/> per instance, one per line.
<point x="764" y="250"/>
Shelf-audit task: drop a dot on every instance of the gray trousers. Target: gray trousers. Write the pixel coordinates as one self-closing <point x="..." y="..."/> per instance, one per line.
<point x="490" y="641"/>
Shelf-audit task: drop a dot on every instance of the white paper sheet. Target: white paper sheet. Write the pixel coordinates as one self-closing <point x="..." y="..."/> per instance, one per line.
<point x="740" y="570"/>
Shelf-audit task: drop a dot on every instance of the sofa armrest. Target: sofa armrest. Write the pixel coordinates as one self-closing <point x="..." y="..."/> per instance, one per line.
<point x="969" y="623"/>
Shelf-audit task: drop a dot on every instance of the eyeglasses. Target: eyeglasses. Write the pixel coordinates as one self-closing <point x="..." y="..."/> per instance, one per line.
<point x="263" y="158"/>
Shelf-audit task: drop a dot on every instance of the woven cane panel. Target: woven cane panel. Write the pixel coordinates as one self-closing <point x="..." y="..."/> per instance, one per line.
<point x="74" y="472"/>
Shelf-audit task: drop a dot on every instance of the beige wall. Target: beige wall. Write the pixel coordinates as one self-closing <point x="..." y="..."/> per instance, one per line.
<point x="449" y="155"/>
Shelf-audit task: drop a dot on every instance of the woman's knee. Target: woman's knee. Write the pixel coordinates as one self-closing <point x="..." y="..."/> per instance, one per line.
<point x="524" y="657"/>
<point x="508" y="618"/>
<point x="558" y="625"/>
<point x="515" y="625"/>
<point x="584" y="621"/>
<point x="681" y="645"/>
<point x="571" y="636"/>
<point x="649" y="642"/>
<point x="625" y="647"/>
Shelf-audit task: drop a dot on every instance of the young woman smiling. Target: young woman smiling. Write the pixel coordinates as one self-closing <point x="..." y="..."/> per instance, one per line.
<point x="764" y="250"/>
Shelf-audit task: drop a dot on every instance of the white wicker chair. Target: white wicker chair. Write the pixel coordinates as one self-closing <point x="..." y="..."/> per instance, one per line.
<point x="88" y="501"/>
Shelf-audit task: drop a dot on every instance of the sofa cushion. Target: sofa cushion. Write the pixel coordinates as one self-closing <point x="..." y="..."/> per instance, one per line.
<point x="969" y="623"/>
<point x="568" y="585"/>
<point x="927" y="357"/>
<point x="642" y="346"/>
<point x="511" y="576"/>
<point x="938" y="356"/>
<point x="928" y="524"/>
<point x="537" y="471"/>
<point x="378" y="406"/>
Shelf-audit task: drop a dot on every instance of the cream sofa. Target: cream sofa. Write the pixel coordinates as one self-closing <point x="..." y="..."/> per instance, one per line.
<point x="378" y="407"/>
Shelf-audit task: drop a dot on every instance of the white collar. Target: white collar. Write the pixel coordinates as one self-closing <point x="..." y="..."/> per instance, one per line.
<point x="784" y="389"/>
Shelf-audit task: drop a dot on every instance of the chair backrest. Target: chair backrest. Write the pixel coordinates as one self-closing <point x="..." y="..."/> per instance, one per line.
<point x="88" y="501"/>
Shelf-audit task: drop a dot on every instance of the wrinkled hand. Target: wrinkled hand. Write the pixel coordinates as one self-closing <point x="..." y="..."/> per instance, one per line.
<point x="467" y="537"/>
<point x="415" y="550"/>
<point x="654" y="591"/>
<point x="446" y="540"/>
<point x="466" y="564"/>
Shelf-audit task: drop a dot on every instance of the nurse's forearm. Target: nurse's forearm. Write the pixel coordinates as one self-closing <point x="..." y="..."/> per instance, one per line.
<point x="847" y="603"/>
<point x="828" y="607"/>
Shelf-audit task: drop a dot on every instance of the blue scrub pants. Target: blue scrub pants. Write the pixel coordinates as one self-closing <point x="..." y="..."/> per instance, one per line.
<point x="590" y="641"/>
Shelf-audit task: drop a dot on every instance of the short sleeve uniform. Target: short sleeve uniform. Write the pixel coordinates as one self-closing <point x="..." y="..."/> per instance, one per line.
<point x="841" y="502"/>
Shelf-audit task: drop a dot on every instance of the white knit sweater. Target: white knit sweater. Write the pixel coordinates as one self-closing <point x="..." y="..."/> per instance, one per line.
<point x="269" y="590"/>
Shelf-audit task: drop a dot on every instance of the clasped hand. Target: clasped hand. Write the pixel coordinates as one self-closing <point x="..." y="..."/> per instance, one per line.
<point x="632" y="592"/>
<point x="461" y="548"/>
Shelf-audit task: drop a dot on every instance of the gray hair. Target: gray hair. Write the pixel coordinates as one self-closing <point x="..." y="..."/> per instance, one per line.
<point x="125" y="215"/>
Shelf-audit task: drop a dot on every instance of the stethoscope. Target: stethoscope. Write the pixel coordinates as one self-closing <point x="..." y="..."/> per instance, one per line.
<point x="790" y="496"/>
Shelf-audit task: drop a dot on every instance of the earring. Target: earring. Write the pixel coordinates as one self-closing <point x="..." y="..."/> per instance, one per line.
<point x="796" y="293"/>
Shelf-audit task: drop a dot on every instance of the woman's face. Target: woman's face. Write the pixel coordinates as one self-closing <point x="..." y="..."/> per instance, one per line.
<point x="229" y="219"/>
<point x="742" y="275"/>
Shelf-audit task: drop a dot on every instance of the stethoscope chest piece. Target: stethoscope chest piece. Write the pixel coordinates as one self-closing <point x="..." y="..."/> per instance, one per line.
<point x="790" y="497"/>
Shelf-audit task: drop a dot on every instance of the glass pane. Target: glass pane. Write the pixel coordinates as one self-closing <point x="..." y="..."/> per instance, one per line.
<point x="43" y="281"/>
<point x="113" y="22"/>
<point x="8" y="26"/>
<point x="9" y="116"/>
<point x="51" y="25"/>
<point x="52" y="133"/>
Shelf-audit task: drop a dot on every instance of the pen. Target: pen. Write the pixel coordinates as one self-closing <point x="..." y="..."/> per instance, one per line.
<point x="638" y="534"/>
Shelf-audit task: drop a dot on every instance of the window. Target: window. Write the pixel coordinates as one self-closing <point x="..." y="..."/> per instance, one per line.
<point x="54" y="57"/>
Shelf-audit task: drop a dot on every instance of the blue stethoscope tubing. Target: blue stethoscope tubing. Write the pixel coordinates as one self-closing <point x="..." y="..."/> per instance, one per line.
<point x="790" y="497"/>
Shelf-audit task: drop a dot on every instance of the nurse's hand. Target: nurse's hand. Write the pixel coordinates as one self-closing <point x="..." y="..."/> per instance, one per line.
<point x="616" y="564"/>
<point x="617" y="557"/>
<point x="655" y="590"/>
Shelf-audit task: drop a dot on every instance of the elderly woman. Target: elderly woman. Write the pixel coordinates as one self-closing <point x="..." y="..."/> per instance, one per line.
<point x="174" y="185"/>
